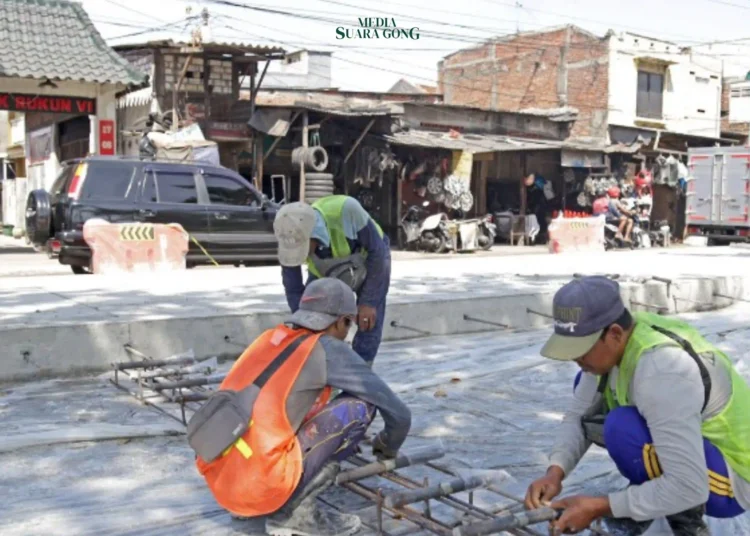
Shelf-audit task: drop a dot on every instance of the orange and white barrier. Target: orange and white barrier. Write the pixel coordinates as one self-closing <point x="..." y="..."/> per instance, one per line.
<point x="135" y="247"/>
<point x="576" y="234"/>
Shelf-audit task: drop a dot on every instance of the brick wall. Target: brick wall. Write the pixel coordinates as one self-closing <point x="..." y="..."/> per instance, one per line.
<point x="522" y="72"/>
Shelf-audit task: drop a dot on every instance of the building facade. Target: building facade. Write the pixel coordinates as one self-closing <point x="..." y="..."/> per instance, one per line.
<point x="620" y="79"/>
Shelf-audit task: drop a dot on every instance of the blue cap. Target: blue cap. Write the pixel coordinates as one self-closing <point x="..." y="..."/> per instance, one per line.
<point x="582" y="309"/>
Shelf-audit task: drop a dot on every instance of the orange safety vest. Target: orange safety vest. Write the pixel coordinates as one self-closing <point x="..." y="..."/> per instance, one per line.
<point x="258" y="474"/>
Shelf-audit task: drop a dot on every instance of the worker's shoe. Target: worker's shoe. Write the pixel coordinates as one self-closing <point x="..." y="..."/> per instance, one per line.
<point x="625" y="526"/>
<point x="310" y="520"/>
<point x="303" y="517"/>
<point x="689" y="523"/>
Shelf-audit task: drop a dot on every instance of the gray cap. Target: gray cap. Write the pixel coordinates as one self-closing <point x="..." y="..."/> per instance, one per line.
<point x="582" y="309"/>
<point x="325" y="300"/>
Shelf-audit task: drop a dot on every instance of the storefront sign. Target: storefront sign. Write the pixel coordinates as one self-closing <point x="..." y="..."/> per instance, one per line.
<point x="20" y="102"/>
<point x="227" y="131"/>
<point x="106" y="137"/>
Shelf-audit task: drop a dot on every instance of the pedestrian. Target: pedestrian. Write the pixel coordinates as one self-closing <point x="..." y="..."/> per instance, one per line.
<point x="667" y="405"/>
<point x="291" y="450"/>
<point x="336" y="237"/>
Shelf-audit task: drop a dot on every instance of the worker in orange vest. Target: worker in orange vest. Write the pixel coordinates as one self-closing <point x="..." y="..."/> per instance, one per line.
<point x="296" y="437"/>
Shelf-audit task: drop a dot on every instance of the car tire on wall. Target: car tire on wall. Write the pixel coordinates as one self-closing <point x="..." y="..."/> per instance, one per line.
<point x="313" y="158"/>
<point x="38" y="217"/>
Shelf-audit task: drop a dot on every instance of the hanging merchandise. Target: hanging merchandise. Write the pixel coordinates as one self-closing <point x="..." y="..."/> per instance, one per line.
<point x="366" y="199"/>
<point x="455" y="186"/>
<point x="549" y="192"/>
<point x="583" y="199"/>
<point x="435" y="185"/>
<point x="466" y="201"/>
<point x="660" y="170"/>
<point x="439" y="198"/>
<point x="672" y="171"/>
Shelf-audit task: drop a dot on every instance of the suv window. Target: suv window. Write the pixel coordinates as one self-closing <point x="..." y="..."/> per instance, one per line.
<point x="223" y="190"/>
<point x="108" y="180"/>
<point x="58" y="187"/>
<point x="176" y="187"/>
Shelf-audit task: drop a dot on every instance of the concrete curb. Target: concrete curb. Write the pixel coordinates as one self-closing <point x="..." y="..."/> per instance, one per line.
<point x="65" y="350"/>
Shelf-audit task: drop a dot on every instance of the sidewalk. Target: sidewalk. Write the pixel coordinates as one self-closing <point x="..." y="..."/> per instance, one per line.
<point x="54" y="325"/>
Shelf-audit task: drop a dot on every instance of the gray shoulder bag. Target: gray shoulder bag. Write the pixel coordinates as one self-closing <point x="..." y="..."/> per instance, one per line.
<point x="226" y="416"/>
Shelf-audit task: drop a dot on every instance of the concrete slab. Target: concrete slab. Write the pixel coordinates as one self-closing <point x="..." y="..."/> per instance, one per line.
<point x="490" y="399"/>
<point x="62" y="325"/>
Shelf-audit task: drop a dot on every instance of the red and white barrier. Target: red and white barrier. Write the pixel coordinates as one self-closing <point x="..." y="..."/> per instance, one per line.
<point x="135" y="247"/>
<point x="576" y="234"/>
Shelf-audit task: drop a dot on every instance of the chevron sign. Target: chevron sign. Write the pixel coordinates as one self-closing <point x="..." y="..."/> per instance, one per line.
<point x="131" y="233"/>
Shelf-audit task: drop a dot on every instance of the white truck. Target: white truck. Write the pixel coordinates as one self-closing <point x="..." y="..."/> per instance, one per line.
<point x="718" y="194"/>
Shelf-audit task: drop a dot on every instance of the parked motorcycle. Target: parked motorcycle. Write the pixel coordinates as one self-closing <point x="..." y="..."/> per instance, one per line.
<point x="428" y="234"/>
<point x="487" y="231"/>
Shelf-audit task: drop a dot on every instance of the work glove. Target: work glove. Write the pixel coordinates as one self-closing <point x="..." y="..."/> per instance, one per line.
<point x="380" y="450"/>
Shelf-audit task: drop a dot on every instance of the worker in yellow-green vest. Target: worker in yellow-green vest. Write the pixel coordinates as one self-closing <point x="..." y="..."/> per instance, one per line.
<point x="336" y="237"/>
<point x="668" y="406"/>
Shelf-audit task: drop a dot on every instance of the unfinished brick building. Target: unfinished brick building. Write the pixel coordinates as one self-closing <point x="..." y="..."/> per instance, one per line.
<point x="561" y="67"/>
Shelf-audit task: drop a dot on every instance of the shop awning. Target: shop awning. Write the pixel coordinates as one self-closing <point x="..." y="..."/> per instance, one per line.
<point x="474" y="143"/>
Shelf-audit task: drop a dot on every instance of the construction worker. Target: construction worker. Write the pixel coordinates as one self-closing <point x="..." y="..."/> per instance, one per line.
<point x="336" y="237"/>
<point x="666" y="404"/>
<point x="291" y="451"/>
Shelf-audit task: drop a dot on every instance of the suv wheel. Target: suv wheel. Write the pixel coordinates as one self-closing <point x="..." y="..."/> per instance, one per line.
<point x="38" y="217"/>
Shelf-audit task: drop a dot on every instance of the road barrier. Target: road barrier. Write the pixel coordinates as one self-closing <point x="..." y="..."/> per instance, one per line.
<point x="576" y="234"/>
<point x="135" y="247"/>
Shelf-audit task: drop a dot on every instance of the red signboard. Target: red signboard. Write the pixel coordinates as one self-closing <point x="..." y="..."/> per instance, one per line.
<point x="20" y="102"/>
<point x="106" y="137"/>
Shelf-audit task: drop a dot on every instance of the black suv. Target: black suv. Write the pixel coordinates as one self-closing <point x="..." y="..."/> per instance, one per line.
<point x="218" y="207"/>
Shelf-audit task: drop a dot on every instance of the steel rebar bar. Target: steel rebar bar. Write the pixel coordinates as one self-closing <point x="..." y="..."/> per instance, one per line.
<point x="396" y="324"/>
<point x="489" y="322"/>
<point x="731" y="297"/>
<point x="375" y="468"/>
<point x="196" y="382"/>
<point x="513" y="521"/>
<point x="537" y="313"/>
<point x="146" y="363"/>
<point x="442" y="489"/>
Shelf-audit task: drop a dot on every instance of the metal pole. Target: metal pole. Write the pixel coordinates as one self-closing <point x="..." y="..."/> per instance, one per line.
<point x="305" y="141"/>
<point x="513" y="521"/>
<point x="481" y="321"/>
<point x="413" y="458"/>
<point x="456" y="485"/>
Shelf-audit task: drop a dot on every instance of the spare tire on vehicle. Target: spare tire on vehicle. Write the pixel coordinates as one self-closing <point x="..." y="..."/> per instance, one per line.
<point x="38" y="217"/>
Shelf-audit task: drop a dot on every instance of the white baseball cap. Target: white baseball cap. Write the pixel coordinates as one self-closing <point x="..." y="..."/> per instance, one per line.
<point x="293" y="227"/>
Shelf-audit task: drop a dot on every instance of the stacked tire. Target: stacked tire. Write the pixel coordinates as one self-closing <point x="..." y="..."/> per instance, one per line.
<point x="318" y="185"/>
<point x="315" y="161"/>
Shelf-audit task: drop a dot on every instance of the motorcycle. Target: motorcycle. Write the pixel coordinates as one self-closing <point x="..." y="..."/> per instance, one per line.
<point x="486" y="231"/>
<point x="428" y="234"/>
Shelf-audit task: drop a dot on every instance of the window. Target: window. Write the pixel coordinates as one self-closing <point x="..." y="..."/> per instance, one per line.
<point x="650" y="95"/>
<point x="107" y="180"/>
<point x="177" y="187"/>
<point x="223" y="190"/>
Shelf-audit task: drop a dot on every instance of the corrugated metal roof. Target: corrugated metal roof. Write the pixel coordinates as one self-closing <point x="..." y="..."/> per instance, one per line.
<point x="211" y="46"/>
<point x="475" y="143"/>
<point x="56" y="39"/>
<point x="327" y="103"/>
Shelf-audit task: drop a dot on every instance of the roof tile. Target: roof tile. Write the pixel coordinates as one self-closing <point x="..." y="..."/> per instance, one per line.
<point x="55" y="39"/>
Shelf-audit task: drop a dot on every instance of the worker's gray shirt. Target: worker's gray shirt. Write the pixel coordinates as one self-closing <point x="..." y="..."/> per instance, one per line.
<point x="333" y="363"/>
<point x="667" y="390"/>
